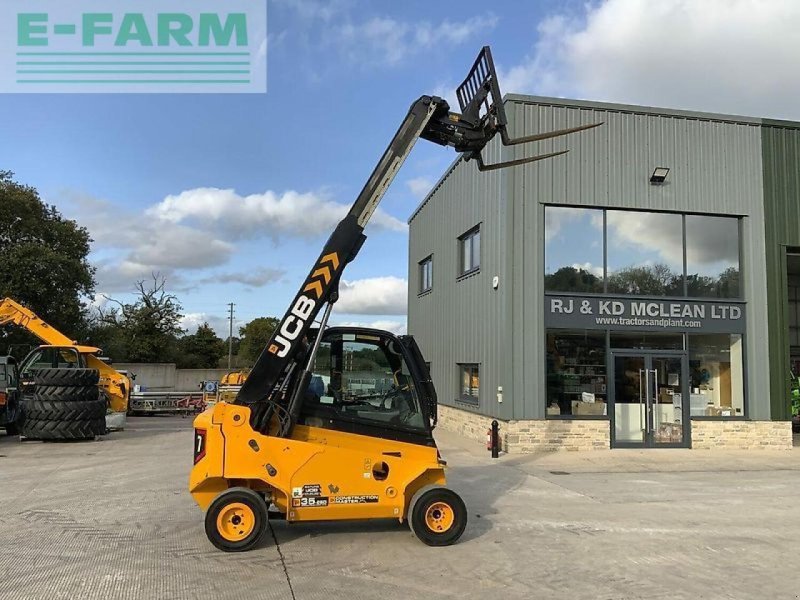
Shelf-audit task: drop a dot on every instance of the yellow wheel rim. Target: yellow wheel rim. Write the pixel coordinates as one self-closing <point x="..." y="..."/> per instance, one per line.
<point x="236" y="521"/>
<point x="439" y="517"/>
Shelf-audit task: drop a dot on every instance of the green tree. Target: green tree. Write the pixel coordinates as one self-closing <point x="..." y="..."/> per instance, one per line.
<point x="255" y="336"/>
<point x="570" y="279"/>
<point x="150" y="325"/>
<point x="655" y="280"/>
<point x="201" y="350"/>
<point x="43" y="261"/>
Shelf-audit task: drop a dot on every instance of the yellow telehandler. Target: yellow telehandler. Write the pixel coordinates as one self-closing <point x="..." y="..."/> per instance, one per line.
<point x="337" y="423"/>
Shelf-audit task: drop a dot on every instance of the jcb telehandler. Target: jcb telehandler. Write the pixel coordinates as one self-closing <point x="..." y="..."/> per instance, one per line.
<point x="337" y="423"/>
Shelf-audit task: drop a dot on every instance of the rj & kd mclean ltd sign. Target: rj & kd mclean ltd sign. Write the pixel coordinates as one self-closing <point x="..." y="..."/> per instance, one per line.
<point x="148" y="46"/>
<point x="591" y="312"/>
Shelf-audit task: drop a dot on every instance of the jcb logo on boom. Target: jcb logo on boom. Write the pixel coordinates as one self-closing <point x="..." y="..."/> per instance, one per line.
<point x="292" y="326"/>
<point x="303" y="307"/>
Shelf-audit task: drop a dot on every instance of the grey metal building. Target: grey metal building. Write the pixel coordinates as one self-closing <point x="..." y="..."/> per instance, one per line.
<point x="613" y="296"/>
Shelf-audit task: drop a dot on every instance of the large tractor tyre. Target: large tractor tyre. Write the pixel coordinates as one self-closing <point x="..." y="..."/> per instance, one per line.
<point x="65" y="393"/>
<point x="54" y="410"/>
<point x="82" y="429"/>
<point x="236" y="520"/>
<point x="437" y="516"/>
<point x="66" y="377"/>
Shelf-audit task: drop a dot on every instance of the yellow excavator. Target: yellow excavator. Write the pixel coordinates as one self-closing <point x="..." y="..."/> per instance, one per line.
<point x="116" y="385"/>
<point x="337" y="423"/>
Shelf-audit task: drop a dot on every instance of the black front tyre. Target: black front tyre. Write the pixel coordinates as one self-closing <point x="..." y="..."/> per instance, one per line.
<point x="236" y="520"/>
<point x="437" y="516"/>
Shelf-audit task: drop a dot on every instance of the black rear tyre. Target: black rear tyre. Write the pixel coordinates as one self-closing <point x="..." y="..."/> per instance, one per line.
<point x="67" y="393"/>
<point x="437" y="516"/>
<point x="51" y="410"/>
<point x="65" y="377"/>
<point x="236" y="520"/>
<point x="81" y="429"/>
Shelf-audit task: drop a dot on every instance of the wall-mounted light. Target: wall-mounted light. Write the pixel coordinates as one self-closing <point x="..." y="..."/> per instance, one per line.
<point x="659" y="175"/>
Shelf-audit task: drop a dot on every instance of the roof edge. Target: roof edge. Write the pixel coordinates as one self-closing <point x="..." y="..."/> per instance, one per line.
<point x="648" y="110"/>
<point x="435" y="187"/>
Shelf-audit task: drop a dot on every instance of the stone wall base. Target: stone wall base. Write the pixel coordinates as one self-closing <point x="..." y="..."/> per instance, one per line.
<point x="523" y="437"/>
<point x="742" y="435"/>
<point x="542" y="435"/>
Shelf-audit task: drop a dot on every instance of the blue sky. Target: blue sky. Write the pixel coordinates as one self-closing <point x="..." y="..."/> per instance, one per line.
<point x="231" y="196"/>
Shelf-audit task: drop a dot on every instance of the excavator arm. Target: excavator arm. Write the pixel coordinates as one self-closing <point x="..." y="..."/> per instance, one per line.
<point x="115" y="384"/>
<point x="482" y="116"/>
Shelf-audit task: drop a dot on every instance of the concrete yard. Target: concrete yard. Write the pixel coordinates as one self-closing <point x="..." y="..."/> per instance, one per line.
<point x="112" y="519"/>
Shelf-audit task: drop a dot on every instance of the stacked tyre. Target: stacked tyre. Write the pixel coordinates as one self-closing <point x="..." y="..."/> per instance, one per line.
<point x="64" y="404"/>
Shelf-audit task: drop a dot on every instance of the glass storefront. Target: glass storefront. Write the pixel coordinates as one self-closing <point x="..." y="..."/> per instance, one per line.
<point x="641" y="253"/>
<point x="576" y="373"/>
<point x="645" y="253"/>
<point x="573" y="249"/>
<point x="716" y="375"/>
<point x="643" y="323"/>
<point x="712" y="257"/>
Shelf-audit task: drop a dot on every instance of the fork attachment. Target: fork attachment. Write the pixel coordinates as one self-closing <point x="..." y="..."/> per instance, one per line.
<point x="483" y="116"/>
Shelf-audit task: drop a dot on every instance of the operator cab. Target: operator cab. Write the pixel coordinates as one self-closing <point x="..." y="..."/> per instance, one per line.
<point x="51" y="357"/>
<point x="369" y="382"/>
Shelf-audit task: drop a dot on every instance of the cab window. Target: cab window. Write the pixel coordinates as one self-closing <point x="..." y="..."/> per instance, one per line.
<point x="362" y="378"/>
<point x="52" y="358"/>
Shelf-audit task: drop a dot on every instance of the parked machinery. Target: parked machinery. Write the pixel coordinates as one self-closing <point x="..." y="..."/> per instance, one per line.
<point x="71" y="393"/>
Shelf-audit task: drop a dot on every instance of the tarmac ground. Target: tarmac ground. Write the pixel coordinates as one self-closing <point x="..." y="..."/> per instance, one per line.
<point x="112" y="519"/>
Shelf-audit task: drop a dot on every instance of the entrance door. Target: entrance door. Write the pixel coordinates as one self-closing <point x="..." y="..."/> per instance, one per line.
<point x="647" y="399"/>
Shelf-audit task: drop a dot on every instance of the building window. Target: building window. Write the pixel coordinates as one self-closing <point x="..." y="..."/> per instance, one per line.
<point x="573" y="249"/>
<point x="426" y="275"/>
<point x="644" y="253"/>
<point x="470" y="381"/>
<point x="576" y="373"/>
<point x="712" y="257"/>
<point x="716" y="375"/>
<point x="641" y="253"/>
<point x="470" y="244"/>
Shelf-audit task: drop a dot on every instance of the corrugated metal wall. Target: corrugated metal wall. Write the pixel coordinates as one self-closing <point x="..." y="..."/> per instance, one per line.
<point x="781" y="152"/>
<point x="715" y="167"/>
<point x="462" y="320"/>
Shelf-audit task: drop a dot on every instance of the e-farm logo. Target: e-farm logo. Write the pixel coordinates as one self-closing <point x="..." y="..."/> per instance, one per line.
<point x="133" y="46"/>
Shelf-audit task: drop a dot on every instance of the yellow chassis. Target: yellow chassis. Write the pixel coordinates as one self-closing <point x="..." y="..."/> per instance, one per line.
<point x="316" y="475"/>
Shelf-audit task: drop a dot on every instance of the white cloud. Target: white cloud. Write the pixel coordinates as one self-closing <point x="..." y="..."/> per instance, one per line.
<point x="310" y="10"/>
<point x="373" y="296"/>
<point x="120" y="276"/>
<point x="179" y="247"/>
<point x="134" y="246"/>
<point x="256" y="278"/>
<point x="732" y="56"/>
<point x="191" y="321"/>
<point x="420" y="186"/>
<point x="388" y="41"/>
<point x="447" y="91"/>
<point x="257" y="215"/>
<point x="589" y="267"/>
<point x="396" y="327"/>
<point x="198" y="229"/>
<point x="636" y="237"/>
